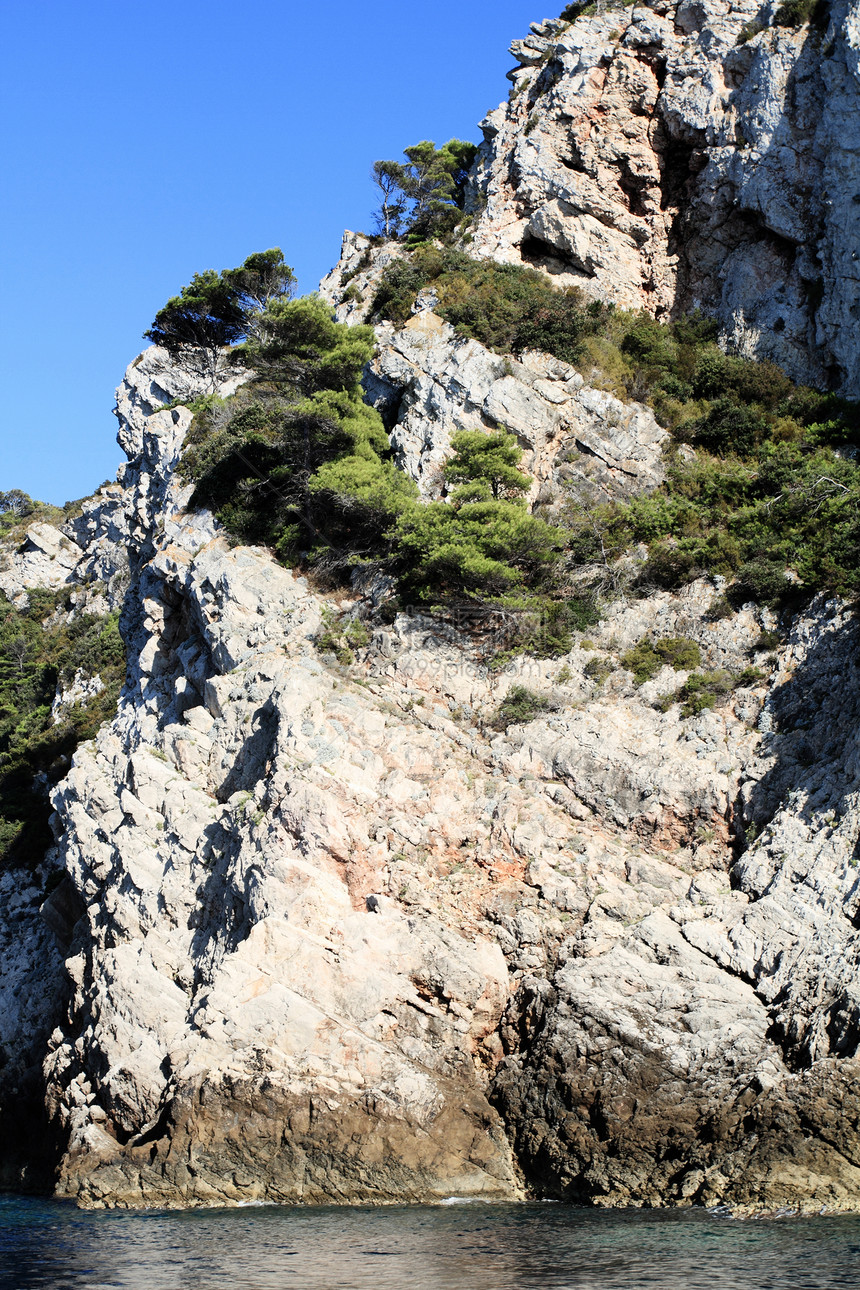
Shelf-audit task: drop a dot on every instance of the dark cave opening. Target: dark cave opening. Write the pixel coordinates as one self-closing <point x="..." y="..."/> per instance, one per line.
<point x="634" y="187"/>
<point x="676" y="172"/>
<point x="535" y="250"/>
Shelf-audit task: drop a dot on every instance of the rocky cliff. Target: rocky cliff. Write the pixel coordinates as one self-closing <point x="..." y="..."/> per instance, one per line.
<point x="328" y="931"/>
<point x="674" y="156"/>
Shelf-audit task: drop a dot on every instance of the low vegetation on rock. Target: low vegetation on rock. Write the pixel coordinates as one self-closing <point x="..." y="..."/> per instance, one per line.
<point x="42" y="648"/>
<point x="297" y="461"/>
<point x="703" y="690"/>
<point x="504" y="306"/>
<point x="520" y="705"/>
<point x="762" y="475"/>
<point x="18" y="511"/>
<point x="646" y="658"/>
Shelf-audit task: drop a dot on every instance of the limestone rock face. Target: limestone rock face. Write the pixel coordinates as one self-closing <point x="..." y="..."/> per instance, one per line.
<point x="743" y="1086"/>
<point x="342" y="939"/>
<point x="673" y="156"/>
<point x="330" y="933"/>
<point x="32" y="994"/>
<point x="428" y="383"/>
<point x="351" y="284"/>
<point x="94" y="558"/>
<point x="240" y="960"/>
<point x="47" y="557"/>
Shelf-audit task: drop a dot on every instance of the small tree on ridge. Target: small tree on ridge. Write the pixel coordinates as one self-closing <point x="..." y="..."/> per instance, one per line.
<point x="216" y="310"/>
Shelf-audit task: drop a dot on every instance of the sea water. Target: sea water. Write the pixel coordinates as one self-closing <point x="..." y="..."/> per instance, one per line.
<point x="54" y="1246"/>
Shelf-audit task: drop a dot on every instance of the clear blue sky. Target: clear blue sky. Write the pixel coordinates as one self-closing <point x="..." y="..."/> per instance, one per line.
<point x="143" y="142"/>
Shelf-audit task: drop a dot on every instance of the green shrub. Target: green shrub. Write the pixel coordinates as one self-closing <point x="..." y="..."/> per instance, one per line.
<point x="477" y="550"/>
<point x="728" y="427"/>
<point x="748" y="30"/>
<point x="670" y="564"/>
<point x="743" y="380"/>
<point x="646" y="657"/>
<point x="548" y="625"/>
<point x="678" y="652"/>
<point x="795" y="13"/>
<point x="583" y="613"/>
<point x="398" y="286"/>
<point x="720" y="607"/>
<point x="36" y="653"/>
<point x="519" y="706"/>
<point x="483" y="543"/>
<point x="749" y="676"/>
<point x="340" y="635"/>
<point x="700" y="691"/>
<point x="761" y="580"/>
<point x="598" y="669"/>
<point x="297" y="460"/>
<point x="485" y="465"/>
<point x="506" y="307"/>
<point x="765" y="483"/>
<point x="704" y="690"/>
<point x="642" y="661"/>
<point x="792" y="505"/>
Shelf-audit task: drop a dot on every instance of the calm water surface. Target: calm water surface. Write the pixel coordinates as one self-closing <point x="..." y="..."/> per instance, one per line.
<point x="450" y="1247"/>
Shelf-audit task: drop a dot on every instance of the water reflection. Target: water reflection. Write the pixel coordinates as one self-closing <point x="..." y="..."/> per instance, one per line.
<point x="463" y="1247"/>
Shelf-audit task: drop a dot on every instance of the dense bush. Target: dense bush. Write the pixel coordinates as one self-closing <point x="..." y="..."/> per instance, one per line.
<point x="506" y="307"/>
<point x="702" y="690"/>
<point x="792" y="505"/>
<point x="770" y="487"/>
<point x="483" y="543"/>
<point x="519" y="706"/>
<point x="399" y="284"/>
<point x="646" y="658"/>
<point x="38" y="649"/>
<point x="340" y="635"/>
<point x="598" y="669"/>
<point x="796" y="13"/>
<point x="762" y="580"/>
<point x="728" y="427"/>
<point x="297" y="460"/>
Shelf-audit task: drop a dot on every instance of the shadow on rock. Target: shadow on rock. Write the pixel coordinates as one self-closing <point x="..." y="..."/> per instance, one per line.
<point x="812" y="724"/>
